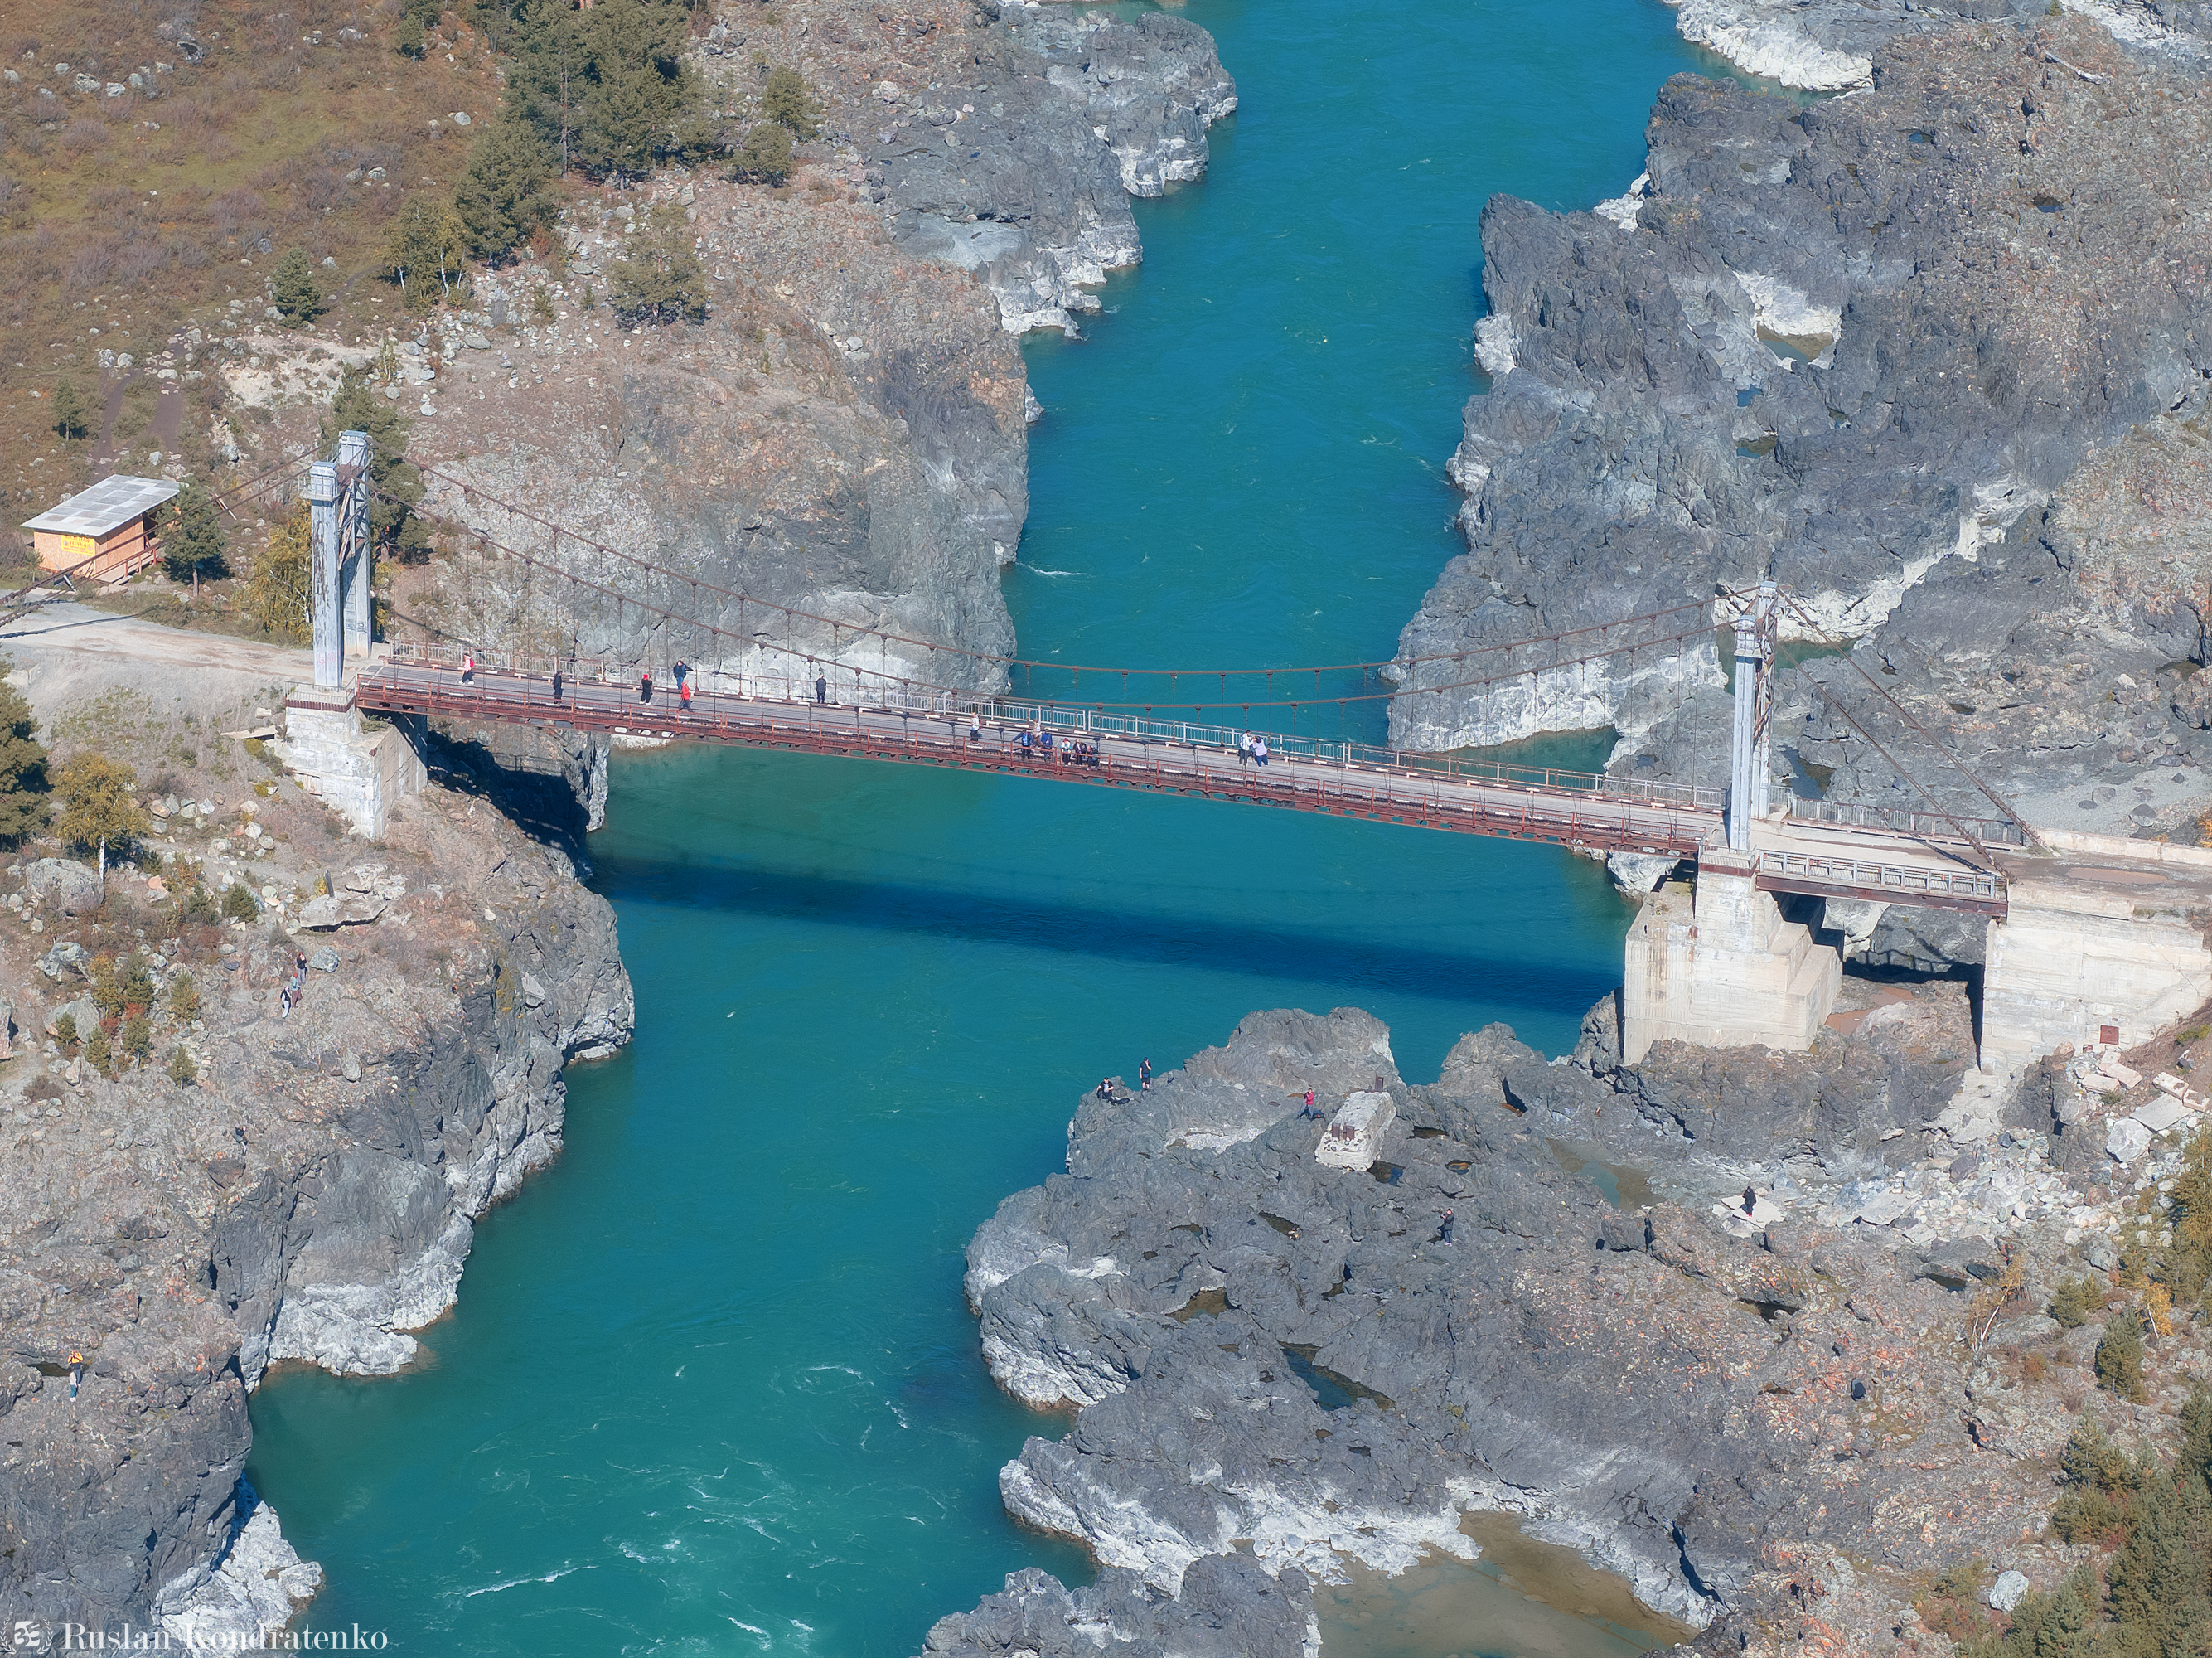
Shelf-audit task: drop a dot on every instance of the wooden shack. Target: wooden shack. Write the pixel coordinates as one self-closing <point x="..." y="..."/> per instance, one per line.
<point x="111" y="524"/>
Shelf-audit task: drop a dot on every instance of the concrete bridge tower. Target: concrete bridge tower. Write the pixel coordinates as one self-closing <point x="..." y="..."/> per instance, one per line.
<point x="1724" y="969"/>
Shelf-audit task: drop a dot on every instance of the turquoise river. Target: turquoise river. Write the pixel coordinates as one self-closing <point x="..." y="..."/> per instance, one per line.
<point x="711" y="1386"/>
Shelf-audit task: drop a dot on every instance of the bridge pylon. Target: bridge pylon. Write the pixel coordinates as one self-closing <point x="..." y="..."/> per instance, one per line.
<point x="1751" y="756"/>
<point x="357" y="773"/>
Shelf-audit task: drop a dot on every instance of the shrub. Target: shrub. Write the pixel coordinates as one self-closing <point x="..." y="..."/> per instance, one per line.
<point x="135" y="982"/>
<point x="766" y="155"/>
<point x="663" y="281"/>
<point x="137" y="1036"/>
<point x="239" y="903"/>
<point x="184" y="998"/>
<point x="2120" y="1356"/>
<point x="106" y="991"/>
<point x="99" y="1049"/>
<point x="198" y="907"/>
<point x="65" y="1029"/>
<point x="2075" y="1302"/>
<point x="182" y="1071"/>
<point x="23" y="786"/>
<point x="68" y="411"/>
<point x="787" y="101"/>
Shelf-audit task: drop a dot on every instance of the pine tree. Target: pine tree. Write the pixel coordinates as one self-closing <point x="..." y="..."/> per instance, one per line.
<point x="2158" y="1583"/>
<point x="23" y="785"/>
<point x="395" y="486"/>
<point x="506" y="192"/>
<point x="662" y="281"/>
<point x="68" y="411"/>
<point x="787" y="101"/>
<point x="2120" y="1354"/>
<point x="192" y="540"/>
<point x="608" y="89"/>
<point x="297" y="294"/>
<point x="424" y="252"/>
<point x="766" y="155"/>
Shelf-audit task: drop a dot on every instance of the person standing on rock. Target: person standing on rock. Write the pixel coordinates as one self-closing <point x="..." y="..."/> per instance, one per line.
<point x="1443" y="1232"/>
<point x="1144" y="1075"/>
<point x="76" y="1372"/>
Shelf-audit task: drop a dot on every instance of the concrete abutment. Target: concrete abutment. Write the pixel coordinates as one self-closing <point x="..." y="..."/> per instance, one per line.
<point x="1723" y="968"/>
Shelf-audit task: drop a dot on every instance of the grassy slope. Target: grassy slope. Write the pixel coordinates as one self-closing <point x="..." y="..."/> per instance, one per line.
<point x="142" y="215"/>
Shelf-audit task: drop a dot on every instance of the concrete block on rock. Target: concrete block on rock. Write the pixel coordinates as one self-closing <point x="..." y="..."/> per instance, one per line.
<point x="1355" y="1134"/>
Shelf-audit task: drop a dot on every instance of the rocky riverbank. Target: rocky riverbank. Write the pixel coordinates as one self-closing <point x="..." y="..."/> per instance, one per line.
<point x="1930" y="355"/>
<point x="307" y="1195"/>
<point x="1537" y="1290"/>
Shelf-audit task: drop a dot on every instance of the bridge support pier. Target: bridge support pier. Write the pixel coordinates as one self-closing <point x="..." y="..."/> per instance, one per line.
<point x="359" y="775"/>
<point x="1724" y="971"/>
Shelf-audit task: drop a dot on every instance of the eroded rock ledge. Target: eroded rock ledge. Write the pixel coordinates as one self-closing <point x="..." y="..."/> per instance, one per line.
<point x="1277" y="1364"/>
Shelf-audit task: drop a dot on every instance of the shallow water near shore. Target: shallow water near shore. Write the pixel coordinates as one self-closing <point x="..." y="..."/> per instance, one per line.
<point x="711" y="1386"/>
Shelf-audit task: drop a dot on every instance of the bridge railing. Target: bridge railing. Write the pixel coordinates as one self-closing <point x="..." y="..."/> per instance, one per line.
<point x="1925" y="825"/>
<point x="1889" y="880"/>
<point x="1094" y="723"/>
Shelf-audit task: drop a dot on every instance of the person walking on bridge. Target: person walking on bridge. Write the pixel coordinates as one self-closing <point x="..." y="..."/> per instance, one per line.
<point x="557" y="685"/>
<point x="645" y="684"/>
<point x="468" y="666"/>
<point x="1260" y="750"/>
<point x="683" y="672"/>
<point x="683" y="695"/>
<point x="974" y="727"/>
<point x="1243" y="749"/>
<point x="821" y="689"/>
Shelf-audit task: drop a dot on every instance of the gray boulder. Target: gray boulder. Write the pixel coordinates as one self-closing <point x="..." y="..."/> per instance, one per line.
<point x="83" y="1011"/>
<point x="67" y="961"/>
<point x="64" y="884"/>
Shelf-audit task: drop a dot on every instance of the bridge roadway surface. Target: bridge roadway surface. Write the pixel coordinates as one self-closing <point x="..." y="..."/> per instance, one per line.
<point x="1160" y="756"/>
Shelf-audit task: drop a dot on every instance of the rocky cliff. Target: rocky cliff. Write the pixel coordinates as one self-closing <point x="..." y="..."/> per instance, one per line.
<point x="1544" y="1295"/>
<point x="309" y="1195"/>
<point x="846" y="434"/>
<point x="1900" y="351"/>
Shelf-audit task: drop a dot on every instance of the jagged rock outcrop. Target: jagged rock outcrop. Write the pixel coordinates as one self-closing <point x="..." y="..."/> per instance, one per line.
<point x="1875" y="348"/>
<point x="1021" y="170"/>
<point x="1277" y="1363"/>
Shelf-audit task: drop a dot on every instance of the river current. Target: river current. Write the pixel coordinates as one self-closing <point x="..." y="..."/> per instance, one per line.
<point x="711" y="1386"/>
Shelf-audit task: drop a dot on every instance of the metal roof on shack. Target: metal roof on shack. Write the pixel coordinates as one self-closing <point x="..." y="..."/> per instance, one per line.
<point x="107" y="505"/>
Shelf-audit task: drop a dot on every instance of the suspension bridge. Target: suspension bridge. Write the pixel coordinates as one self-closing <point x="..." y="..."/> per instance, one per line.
<point x="1722" y="968"/>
